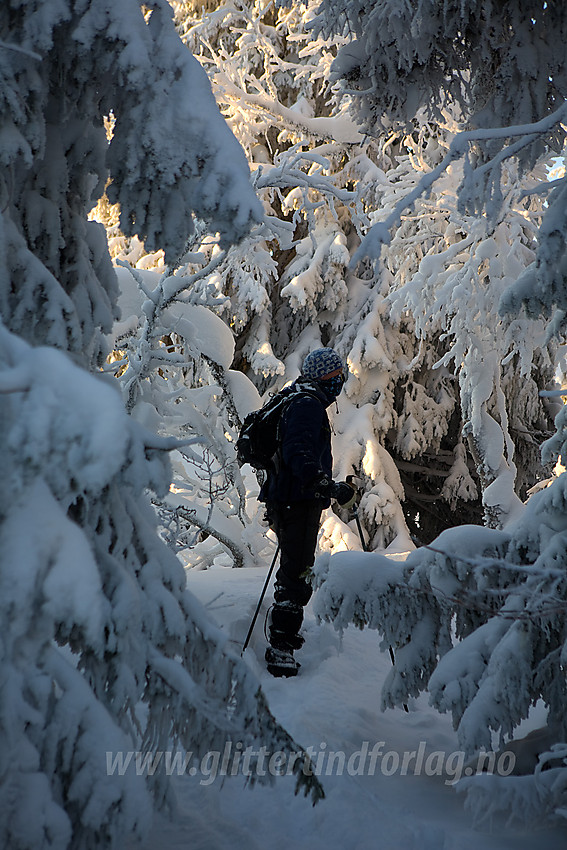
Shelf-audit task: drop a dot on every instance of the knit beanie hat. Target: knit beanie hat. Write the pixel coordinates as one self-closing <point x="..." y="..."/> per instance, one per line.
<point x="321" y="362"/>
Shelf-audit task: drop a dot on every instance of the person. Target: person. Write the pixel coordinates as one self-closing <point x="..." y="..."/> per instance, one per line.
<point x="295" y="492"/>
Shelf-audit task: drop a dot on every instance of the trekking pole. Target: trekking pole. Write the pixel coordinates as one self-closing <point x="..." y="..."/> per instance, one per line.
<point x="365" y="549"/>
<point x="257" y="611"/>
<point x="350" y="480"/>
<point x="358" y="525"/>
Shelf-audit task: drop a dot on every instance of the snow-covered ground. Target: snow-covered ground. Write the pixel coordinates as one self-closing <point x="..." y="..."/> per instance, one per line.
<point x="333" y="706"/>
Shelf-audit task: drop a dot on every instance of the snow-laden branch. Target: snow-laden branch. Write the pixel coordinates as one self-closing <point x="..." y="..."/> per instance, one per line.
<point x="143" y="355"/>
<point x="24" y="50"/>
<point x="478" y="618"/>
<point x="341" y="129"/>
<point x="542" y="189"/>
<point x="240" y="555"/>
<point x="286" y="176"/>
<point x="379" y="234"/>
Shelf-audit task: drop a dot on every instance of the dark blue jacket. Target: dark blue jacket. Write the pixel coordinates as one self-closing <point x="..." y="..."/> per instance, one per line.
<point x="305" y="455"/>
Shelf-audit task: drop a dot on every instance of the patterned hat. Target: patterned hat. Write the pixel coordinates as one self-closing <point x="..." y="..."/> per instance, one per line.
<point x="321" y="362"/>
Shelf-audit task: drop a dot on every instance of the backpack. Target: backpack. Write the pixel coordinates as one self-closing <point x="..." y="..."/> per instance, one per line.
<point x="259" y="438"/>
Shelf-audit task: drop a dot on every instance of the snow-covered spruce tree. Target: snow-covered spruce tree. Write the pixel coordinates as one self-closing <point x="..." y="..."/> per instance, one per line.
<point x="479" y="617"/>
<point x="236" y="285"/>
<point x="270" y="81"/>
<point x="103" y="649"/>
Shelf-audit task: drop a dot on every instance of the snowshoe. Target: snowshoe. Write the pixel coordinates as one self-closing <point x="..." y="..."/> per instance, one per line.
<point x="281" y="662"/>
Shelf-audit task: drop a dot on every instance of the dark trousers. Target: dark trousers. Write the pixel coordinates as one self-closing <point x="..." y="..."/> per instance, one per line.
<point x="296" y="526"/>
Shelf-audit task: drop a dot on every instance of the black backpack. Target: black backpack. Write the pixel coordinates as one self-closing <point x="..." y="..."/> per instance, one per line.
<point x="259" y="437"/>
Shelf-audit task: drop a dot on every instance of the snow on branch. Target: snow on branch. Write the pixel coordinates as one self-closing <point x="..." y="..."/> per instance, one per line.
<point x="379" y="233"/>
<point x="341" y="129"/>
<point x="285" y="174"/>
<point x="145" y="353"/>
<point x="441" y="608"/>
<point x="31" y="54"/>
<point x="164" y="104"/>
<point x="94" y="581"/>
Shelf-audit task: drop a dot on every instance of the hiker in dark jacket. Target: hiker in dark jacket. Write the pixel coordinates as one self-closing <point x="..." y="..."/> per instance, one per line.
<point x="295" y="492"/>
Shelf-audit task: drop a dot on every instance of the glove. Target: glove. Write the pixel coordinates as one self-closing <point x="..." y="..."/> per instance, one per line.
<point x="323" y="488"/>
<point x="344" y="493"/>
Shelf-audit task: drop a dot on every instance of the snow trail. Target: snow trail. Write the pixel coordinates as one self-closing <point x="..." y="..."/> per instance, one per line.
<point x="332" y="709"/>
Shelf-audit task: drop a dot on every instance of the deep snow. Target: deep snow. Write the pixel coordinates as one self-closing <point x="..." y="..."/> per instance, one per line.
<point x="333" y="705"/>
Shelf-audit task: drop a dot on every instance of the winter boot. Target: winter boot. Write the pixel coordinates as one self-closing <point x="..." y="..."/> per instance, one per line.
<point x="281" y="662"/>
<point x="283" y="640"/>
<point x="285" y="623"/>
